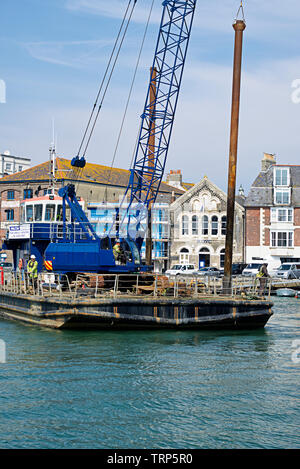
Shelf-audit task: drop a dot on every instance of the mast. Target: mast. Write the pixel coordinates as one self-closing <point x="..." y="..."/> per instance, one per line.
<point x="151" y="158"/>
<point x="239" y="27"/>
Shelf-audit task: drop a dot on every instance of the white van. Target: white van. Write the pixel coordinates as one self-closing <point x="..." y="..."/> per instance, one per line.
<point x="182" y="269"/>
<point x="252" y="269"/>
<point x="288" y="270"/>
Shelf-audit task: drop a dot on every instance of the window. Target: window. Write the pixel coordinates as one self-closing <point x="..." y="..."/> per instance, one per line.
<point x="50" y="212"/>
<point x="214" y="226"/>
<point x="205" y="225"/>
<point x="20" y="168"/>
<point x="282" y="239"/>
<point x="8" y="166"/>
<point x="282" y="196"/>
<point x="282" y="215"/>
<point x="195" y="225"/>
<point x="184" y="256"/>
<point x="38" y="212"/>
<point x="185" y="225"/>
<point x="28" y="193"/>
<point x="10" y="195"/>
<point x="223" y="226"/>
<point x="281" y="177"/>
<point x="10" y="215"/>
<point x="29" y="213"/>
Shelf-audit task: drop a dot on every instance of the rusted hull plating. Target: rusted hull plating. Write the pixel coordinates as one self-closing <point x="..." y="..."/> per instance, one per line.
<point x="125" y="313"/>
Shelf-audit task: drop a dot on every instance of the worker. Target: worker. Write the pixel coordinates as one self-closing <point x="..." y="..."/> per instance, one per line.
<point x="32" y="271"/>
<point x="117" y="251"/>
<point x="262" y="276"/>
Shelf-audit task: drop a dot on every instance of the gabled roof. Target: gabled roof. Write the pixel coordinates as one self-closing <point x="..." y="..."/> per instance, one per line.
<point x="261" y="192"/>
<point x="91" y="173"/>
<point x="209" y="185"/>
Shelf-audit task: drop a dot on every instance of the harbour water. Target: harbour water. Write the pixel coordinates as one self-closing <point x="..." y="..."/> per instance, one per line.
<point x="152" y="389"/>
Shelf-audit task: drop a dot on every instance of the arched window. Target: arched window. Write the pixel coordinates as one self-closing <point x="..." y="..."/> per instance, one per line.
<point x="222" y="258"/>
<point x="184" y="256"/>
<point x="223" y="225"/>
<point x="185" y="225"/>
<point x="195" y="225"/>
<point x="205" y="225"/>
<point x="214" y="226"/>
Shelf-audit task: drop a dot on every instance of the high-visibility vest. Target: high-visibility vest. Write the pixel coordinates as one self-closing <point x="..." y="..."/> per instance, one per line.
<point x="32" y="269"/>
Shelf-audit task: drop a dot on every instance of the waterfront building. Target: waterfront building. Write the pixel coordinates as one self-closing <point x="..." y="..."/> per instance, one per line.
<point x="273" y="213"/>
<point x="94" y="184"/>
<point x="198" y="226"/>
<point x="10" y="164"/>
<point x="102" y="216"/>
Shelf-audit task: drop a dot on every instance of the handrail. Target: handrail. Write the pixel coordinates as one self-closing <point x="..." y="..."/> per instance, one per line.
<point x="58" y="286"/>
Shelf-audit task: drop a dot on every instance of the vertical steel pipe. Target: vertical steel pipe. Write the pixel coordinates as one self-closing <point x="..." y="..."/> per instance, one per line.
<point x="151" y="158"/>
<point x="239" y="27"/>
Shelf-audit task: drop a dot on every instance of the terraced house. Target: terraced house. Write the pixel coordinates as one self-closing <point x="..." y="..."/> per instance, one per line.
<point x="273" y="214"/>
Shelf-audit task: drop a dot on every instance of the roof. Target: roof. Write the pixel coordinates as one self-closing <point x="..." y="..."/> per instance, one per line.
<point x="261" y="192"/>
<point x="91" y="173"/>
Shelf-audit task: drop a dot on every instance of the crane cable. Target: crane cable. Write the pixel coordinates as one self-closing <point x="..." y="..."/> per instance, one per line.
<point x="108" y="179"/>
<point x="241" y="9"/>
<point x="103" y="79"/>
<point x="109" y="78"/>
<point x="107" y="84"/>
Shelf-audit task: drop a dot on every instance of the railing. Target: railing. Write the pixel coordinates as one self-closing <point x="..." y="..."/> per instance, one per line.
<point x="48" y="285"/>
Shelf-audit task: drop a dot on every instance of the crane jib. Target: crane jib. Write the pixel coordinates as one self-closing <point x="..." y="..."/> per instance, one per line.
<point x="158" y="116"/>
<point x="76" y="252"/>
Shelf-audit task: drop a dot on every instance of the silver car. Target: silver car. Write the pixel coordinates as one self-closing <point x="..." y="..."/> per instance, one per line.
<point x="209" y="271"/>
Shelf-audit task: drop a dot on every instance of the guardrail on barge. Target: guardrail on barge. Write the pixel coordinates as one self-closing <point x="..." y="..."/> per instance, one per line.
<point x="116" y="285"/>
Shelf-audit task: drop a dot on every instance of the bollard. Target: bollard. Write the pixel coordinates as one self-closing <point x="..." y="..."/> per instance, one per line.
<point x="2" y="275"/>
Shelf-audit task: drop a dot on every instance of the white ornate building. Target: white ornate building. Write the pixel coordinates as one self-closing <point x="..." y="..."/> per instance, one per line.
<point x="198" y="227"/>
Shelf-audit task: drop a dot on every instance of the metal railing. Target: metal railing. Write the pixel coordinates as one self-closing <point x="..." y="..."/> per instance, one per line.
<point x="48" y="285"/>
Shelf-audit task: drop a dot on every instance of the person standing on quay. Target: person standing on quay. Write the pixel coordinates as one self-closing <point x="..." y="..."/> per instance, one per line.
<point x="263" y="275"/>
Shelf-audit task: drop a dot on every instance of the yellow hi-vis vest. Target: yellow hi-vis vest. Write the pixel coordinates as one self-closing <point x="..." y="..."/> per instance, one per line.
<point x="32" y="269"/>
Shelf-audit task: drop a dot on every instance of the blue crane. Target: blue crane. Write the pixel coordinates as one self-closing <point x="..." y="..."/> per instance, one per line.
<point x="81" y="249"/>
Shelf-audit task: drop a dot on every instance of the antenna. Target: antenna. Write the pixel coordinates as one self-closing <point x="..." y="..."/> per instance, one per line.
<point x="52" y="160"/>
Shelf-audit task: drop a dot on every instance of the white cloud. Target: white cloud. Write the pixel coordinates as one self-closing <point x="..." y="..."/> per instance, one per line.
<point x="68" y="53"/>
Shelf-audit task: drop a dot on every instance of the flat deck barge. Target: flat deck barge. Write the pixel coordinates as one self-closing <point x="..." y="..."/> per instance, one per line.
<point x="131" y="303"/>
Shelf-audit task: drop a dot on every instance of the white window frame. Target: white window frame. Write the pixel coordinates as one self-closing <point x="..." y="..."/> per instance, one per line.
<point x="288" y="176"/>
<point x="289" y="212"/>
<point x="289" y="239"/>
<point x="283" y="190"/>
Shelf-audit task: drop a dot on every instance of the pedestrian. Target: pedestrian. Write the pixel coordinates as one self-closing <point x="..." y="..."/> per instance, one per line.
<point x="262" y="276"/>
<point x="32" y="271"/>
<point x="21" y="267"/>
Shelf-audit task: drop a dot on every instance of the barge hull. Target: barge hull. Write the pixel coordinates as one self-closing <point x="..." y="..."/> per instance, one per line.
<point x="130" y="313"/>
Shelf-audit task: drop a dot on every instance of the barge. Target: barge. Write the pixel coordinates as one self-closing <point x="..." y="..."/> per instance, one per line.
<point x="131" y="303"/>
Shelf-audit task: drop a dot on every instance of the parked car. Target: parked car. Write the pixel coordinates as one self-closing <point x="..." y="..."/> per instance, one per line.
<point x="288" y="270"/>
<point x="237" y="269"/>
<point x="182" y="269"/>
<point x="252" y="269"/>
<point x="209" y="271"/>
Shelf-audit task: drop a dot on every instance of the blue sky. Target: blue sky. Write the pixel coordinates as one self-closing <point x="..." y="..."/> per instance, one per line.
<point x="54" y="52"/>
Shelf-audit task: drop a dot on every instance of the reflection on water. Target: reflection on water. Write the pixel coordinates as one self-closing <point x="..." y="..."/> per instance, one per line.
<point x="151" y="389"/>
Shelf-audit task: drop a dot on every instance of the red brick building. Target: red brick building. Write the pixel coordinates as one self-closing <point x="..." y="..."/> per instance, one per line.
<point x="273" y="214"/>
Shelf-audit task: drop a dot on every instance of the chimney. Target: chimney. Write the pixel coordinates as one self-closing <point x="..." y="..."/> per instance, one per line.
<point x="174" y="178"/>
<point x="267" y="161"/>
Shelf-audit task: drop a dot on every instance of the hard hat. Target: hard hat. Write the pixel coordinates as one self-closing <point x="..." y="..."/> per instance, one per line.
<point x="32" y="256"/>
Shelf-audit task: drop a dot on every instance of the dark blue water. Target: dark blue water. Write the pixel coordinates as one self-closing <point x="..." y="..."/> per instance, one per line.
<point x="161" y="389"/>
